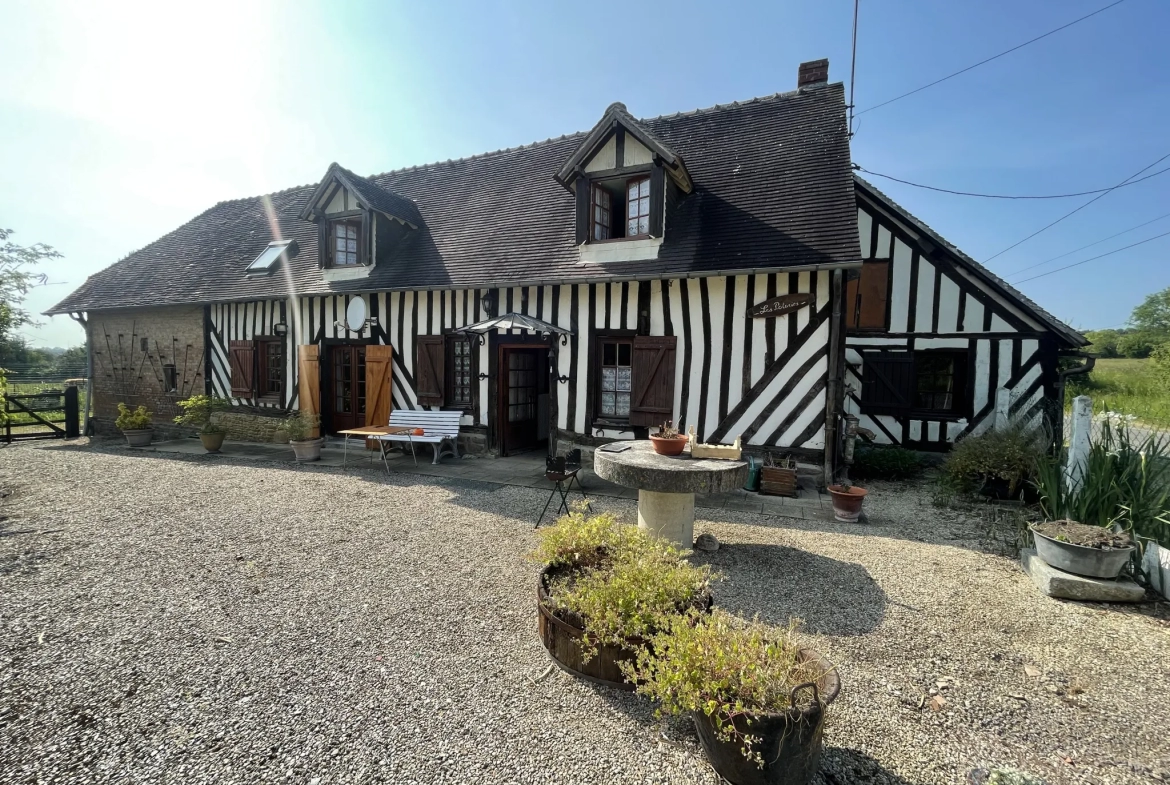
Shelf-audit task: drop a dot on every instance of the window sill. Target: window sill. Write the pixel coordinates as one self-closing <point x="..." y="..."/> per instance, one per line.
<point x="621" y="425"/>
<point x="624" y="249"/>
<point x="347" y="273"/>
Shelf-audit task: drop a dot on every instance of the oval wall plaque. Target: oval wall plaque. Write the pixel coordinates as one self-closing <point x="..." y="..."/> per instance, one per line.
<point x="778" y="306"/>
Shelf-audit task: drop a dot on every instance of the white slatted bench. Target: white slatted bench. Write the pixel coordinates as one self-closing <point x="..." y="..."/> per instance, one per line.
<point x="440" y="430"/>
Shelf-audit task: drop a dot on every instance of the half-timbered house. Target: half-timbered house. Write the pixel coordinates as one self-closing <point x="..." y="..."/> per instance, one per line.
<point x="720" y="268"/>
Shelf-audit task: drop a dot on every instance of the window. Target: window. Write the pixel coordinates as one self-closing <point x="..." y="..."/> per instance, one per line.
<point x="170" y="377"/>
<point x="866" y="297"/>
<point x="459" y="374"/>
<point x="270" y="379"/>
<point x="610" y="199"/>
<point x="615" y="378"/>
<point x="928" y="383"/>
<point x="266" y="262"/>
<point x="346" y="243"/>
<point x="638" y="207"/>
<point x="601" y="211"/>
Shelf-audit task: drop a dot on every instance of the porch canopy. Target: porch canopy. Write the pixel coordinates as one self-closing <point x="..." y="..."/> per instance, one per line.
<point x="513" y="321"/>
<point x="519" y="321"/>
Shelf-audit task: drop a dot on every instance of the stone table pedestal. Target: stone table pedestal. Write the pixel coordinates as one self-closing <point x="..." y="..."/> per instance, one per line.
<point x="666" y="485"/>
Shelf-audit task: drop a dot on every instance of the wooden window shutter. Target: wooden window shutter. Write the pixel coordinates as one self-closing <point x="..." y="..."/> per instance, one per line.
<point x="583" y="190"/>
<point x="365" y="244"/>
<point x="428" y="374"/>
<point x="652" y="368"/>
<point x="875" y="292"/>
<point x="242" y="358"/>
<point x="887" y="382"/>
<point x="657" y="190"/>
<point x="851" y="304"/>
<point x="378" y="375"/>
<point x="323" y="241"/>
<point x="309" y="381"/>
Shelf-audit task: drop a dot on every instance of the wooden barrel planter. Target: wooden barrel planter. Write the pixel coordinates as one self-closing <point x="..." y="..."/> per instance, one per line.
<point x="562" y="638"/>
<point x="790" y="740"/>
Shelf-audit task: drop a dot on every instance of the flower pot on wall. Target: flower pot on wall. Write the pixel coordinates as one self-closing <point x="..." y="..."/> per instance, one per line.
<point x="212" y="441"/>
<point x="307" y="450"/>
<point x="139" y="438"/>
<point x="847" y="502"/>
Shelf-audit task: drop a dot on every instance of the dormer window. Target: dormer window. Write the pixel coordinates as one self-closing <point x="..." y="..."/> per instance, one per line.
<point x="345" y="248"/>
<point x="619" y="209"/>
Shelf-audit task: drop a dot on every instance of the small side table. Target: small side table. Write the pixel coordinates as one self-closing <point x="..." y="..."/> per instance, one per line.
<point x="366" y="432"/>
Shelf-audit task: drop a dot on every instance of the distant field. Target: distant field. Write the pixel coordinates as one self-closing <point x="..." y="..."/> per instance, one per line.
<point x="1129" y="387"/>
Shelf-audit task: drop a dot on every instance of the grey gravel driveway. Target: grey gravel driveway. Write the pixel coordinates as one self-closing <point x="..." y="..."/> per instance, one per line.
<point x="198" y="621"/>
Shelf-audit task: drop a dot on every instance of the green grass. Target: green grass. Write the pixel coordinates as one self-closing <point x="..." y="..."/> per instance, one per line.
<point x="1126" y="386"/>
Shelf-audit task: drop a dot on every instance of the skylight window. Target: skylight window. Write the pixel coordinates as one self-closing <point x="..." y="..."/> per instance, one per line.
<point x="266" y="262"/>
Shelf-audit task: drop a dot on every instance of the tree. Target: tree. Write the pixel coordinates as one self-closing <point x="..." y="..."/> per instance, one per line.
<point x="1103" y="343"/>
<point x="16" y="278"/>
<point x="1138" y="344"/>
<point x="1153" y="315"/>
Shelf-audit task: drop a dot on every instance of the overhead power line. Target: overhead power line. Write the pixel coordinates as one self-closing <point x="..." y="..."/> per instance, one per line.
<point x="988" y="60"/>
<point x="853" y="66"/>
<point x="1127" y="181"/>
<point x="1102" y="191"/>
<point x="1090" y="245"/>
<point x="1094" y="258"/>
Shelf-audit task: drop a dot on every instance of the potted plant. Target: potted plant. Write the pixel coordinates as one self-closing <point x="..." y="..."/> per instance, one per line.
<point x="996" y="463"/>
<point x="604" y="588"/>
<point x="135" y="425"/>
<point x="1092" y="551"/>
<point x="668" y="441"/>
<point x="757" y="698"/>
<point x="197" y="411"/>
<point x="847" y="501"/>
<point x="301" y="427"/>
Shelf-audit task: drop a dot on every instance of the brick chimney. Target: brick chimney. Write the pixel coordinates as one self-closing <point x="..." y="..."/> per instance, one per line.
<point x="812" y="73"/>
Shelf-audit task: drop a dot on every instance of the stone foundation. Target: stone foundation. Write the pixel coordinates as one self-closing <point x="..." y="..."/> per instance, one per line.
<point x="250" y="426"/>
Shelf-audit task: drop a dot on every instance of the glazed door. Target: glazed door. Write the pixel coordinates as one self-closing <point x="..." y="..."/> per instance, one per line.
<point x="519" y="384"/>
<point x="346" y="405"/>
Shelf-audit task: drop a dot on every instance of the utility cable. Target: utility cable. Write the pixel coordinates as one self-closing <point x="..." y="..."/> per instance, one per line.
<point x="1090" y="245"/>
<point x="1124" y="183"/>
<point x="1094" y="258"/>
<point x="988" y="60"/>
<point x="1127" y="181"/>
<point x="853" y="67"/>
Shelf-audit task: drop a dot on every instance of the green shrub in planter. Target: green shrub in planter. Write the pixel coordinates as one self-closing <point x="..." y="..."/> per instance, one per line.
<point x="885" y="463"/>
<point x="300" y="425"/>
<point x="197" y="411"/>
<point x="132" y="419"/>
<point x="1010" y="455"/>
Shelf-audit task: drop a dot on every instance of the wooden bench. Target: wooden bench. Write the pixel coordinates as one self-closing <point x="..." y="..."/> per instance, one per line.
<point x="440" y="430"/>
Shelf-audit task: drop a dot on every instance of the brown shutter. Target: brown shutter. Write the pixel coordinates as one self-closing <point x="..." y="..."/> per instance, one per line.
<point x="875" y="291"/>
<point x="378" y="374"/>
<point x="657" y="178"/>
<point x="242" y="358"/>
<point x="887" y="382"/>
<point x="583" y="189"/>
<point x="309" y="381"/>
<point x="428" y="374"/>
<point x="652" y="401"/>
<point x="323" y="241"/>
<point x="850" y="304"/>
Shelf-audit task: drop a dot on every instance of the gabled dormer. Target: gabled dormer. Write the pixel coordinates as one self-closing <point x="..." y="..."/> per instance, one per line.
<point x="354" y="216"/>
<point x="621" y="174"/>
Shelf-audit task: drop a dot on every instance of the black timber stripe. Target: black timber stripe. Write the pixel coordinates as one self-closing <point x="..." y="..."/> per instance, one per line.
<point x="1017" y="347"/>
<point x="962" y="312"/>
<point x="982" y="296"/>
<point x="912" y="305"/>
<point x="705" y="377"/>
<point x="320" y="336"/>
<point x="401" y="324"/>
<point x="413" y="330"/>
<point x="591" y="354"/>
<point x="725" y="374"/>
<point x="781" y="397"/>
<point x="799" y="409"/>
<point x="608" y="297"/>
<point x="746" y="383"/>
<point x="937" y="301"/>
<point x="207" y="331"/>
<point x="664" y="289"/>
<point x="810" y="430"/>
<point x="625" y="304"/>
<point x="685" y="307"/>
<point x="875" y="419"/>
<point x="540" y="303"/>
<point x="790" y="317"/>
<point x="770" y="325"/>
<point x="571" y="408"/>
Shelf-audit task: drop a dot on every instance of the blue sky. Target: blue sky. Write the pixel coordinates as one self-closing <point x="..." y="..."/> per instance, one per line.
<point x="119" y="121"/>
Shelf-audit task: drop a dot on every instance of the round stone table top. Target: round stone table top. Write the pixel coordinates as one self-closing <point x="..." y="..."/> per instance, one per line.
<point x="640" y="467"/>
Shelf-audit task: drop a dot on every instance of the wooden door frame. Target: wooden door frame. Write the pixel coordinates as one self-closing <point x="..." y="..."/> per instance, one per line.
<point x="496" y="344"/>
<point x="325" y="370"/>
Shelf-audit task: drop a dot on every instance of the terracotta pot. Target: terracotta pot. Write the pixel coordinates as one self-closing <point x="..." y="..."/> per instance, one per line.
<point x="139" y="438"/>
<point x="847" y="502"/>
<point x="212" y="441"/>
<point x="307" y="450"/>
<point x="668" y="446"/>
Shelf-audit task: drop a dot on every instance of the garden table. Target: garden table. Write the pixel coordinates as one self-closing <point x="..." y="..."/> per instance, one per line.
<point x="366" y="432"/>
<point x="666" y="484"/>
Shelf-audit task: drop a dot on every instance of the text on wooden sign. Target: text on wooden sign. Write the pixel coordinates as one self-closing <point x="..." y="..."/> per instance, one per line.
<point x="778" y="306"/>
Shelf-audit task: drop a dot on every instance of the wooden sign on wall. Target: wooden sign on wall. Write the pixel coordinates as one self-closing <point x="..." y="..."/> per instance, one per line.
<point x="778" y="306"/>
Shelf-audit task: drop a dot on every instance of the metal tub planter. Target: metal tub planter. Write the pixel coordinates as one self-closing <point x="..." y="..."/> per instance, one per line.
<point x="1092" y="561"/>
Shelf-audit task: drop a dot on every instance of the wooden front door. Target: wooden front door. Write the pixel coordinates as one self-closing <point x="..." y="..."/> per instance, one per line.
<point x="346" y="392"/>
<point x="519" y="390"/>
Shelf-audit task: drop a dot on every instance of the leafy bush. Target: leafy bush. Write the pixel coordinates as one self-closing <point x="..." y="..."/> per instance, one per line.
<point x="300" y="424"/>
<point x="724" y="667"/>
<point x="1126" y="481"/>
<point x="618" y="581"/>
<point x="1010" y="454"/>
<point x="1160" y="359"/>
<point x="132" y="420"/>
<point x="885" y="463"/>
<point x="1137" y="345"/>
<point x="197" y="411"/>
